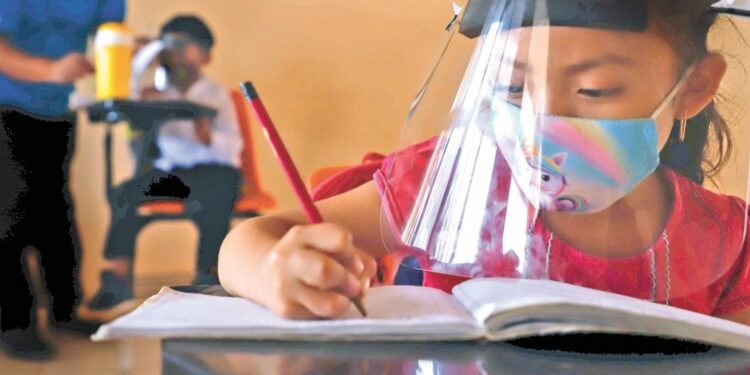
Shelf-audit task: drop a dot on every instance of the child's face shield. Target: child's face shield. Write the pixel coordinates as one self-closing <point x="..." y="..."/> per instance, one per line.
<point x="562" y="154"/>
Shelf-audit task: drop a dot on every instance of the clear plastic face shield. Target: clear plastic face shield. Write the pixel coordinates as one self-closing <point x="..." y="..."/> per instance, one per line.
<point x="577" y="147"/>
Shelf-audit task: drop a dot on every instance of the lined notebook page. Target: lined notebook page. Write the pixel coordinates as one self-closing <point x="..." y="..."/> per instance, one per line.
<point x="743" y="5"/>
<point x="394" y="312"/>
<point x="492" y="295"/>
<point x="541" y="300"/>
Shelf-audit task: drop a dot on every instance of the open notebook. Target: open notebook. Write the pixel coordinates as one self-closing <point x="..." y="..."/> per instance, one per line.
<point x="740" y="7"/>
<point x="490" y="309"/>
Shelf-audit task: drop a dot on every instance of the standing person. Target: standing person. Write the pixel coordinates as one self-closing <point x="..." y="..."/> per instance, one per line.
<point x="42" y="44"/>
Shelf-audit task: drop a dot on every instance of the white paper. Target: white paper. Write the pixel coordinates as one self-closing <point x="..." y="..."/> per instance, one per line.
<point x="573" y="308"/>
<point x="393" y="312"/>
<point x="733" y="4"/>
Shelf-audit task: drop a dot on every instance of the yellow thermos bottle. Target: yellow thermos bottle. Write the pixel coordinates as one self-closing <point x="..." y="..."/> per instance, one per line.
<point x="113" y="49"/>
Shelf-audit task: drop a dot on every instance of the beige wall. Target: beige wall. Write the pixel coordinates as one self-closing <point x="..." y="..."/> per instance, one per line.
<point x="336" y="75"/>
<point x="736" y="90"/>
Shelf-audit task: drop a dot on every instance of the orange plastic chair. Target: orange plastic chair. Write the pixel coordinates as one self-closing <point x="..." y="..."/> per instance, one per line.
<point x="321" y="175"/>
<point x="253" y="199"/>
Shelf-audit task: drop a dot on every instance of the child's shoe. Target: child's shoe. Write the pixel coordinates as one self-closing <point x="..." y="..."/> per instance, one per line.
<point x="26" y="344"/>
<point x="113" y="299"/>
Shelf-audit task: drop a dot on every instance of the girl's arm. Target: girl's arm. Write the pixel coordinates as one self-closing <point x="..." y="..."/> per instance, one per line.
<point x="739" y="317"/>
<point x="305" y="271"/>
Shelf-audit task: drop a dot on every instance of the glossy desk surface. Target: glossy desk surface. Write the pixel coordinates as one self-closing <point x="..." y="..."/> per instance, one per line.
<point x="296" y="358"/>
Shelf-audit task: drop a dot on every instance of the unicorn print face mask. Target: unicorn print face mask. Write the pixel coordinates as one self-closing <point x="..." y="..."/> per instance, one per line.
<point x="577" y="165"/>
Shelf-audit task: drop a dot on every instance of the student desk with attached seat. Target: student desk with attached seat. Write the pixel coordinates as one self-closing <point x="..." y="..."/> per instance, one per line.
<point x="147" y="116"/>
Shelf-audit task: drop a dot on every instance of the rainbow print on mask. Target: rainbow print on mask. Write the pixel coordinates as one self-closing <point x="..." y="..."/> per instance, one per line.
<point x="574" y="164"/>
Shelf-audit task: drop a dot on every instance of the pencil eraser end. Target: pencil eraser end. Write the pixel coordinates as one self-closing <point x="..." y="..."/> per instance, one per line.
<point x="248" y="90"/>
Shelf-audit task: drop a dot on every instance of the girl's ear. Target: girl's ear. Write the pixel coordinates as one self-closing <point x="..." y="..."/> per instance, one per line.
<point x="702" y="86"/>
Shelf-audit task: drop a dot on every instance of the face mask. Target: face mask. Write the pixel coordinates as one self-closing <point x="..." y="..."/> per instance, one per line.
<point x="577" y="165"/>
<point x="170" y="74"/>
<point x="174" y="71"/>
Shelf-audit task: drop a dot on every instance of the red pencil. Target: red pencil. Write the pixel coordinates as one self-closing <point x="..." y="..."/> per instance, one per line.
<point x="312" y="213"/>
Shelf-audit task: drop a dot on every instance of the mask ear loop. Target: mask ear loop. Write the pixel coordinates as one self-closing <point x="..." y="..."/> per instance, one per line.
<point x="668" y="99"/>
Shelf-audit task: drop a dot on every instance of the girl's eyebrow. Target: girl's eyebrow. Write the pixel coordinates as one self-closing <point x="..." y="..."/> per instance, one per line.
<point x="606" y="59"/>
<point x="584" y="66"/>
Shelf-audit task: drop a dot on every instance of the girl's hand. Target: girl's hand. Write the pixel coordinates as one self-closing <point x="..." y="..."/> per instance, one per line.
<point x="314" y="271"/>
<point x="151" y="93"/>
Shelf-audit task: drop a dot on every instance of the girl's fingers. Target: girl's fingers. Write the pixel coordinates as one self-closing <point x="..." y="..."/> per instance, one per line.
<point x="325" y="236"/>
<point x="293" y="310"/>
<point x="317" y="269"/>
<point x="331" y="239"/>
<point x="370" y="267"/>
<point x="322" y="303"/>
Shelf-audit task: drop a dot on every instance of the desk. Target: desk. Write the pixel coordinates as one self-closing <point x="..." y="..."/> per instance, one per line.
<point x="148" y="116"/>
<point x="543" y="355"/>
<point x="297" y="358"/>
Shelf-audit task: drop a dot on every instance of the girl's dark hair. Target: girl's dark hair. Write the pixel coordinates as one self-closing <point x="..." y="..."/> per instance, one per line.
<point x="708" y="143"/>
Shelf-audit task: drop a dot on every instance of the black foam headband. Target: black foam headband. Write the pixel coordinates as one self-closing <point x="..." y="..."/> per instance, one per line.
<point x="626" y="15"/>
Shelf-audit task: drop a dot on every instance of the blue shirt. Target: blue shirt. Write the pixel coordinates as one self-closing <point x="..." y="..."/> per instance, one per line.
<point x="51" y="29"/>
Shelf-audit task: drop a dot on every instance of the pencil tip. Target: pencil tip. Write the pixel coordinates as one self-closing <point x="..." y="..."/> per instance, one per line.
<point x="360" y="306"/>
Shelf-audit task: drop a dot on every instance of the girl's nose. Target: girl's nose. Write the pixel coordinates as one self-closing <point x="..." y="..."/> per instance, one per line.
<point x="551" y="100"/>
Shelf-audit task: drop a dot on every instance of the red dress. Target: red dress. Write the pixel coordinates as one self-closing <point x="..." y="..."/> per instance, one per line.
<point x="705" y="267"/>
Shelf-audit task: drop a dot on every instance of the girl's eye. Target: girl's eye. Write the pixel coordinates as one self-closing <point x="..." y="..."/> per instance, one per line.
<point x="512" y="90"/>
<point x="593" y="93"/>
<point x="515" y="89"/>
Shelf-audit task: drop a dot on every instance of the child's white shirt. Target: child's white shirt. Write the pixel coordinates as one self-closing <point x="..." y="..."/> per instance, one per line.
<point x="178" y="142"/>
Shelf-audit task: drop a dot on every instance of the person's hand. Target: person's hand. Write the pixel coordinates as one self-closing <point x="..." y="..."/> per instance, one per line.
<point x="203" y="130"/>
<point x="151" y="93"/>
<point x="69" y="68"/>
<point x="313" y="272"/>
<point x="140" y="42"/>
